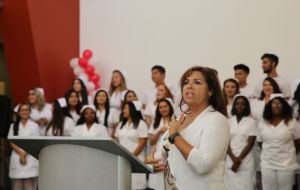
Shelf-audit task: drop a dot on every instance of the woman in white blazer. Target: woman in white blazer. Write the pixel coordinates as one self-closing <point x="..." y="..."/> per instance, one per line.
<point x="24" y="169"/>
<point x="200" y="137"/>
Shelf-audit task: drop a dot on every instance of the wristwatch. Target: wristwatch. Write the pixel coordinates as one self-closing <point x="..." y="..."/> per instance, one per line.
<point x="172" y="137"/>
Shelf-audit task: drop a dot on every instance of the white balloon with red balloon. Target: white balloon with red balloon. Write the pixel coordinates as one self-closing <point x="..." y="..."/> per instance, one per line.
<point x="90" y="86"/>
<point x="77" y="71"/>
<point x="84" y="78"/>
<point x="74" y="63"/>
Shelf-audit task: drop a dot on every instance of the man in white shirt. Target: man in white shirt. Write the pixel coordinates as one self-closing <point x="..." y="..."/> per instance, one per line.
<point x="241" y="72"/>
<point x="269" y="65"/>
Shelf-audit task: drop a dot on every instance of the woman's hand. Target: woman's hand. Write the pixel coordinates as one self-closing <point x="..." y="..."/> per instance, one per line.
<point x="175" y="124"/>
<point x="23" y="159"/>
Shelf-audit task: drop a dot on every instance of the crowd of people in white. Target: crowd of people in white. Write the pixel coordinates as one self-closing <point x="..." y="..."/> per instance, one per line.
<point x="239" y="137"/>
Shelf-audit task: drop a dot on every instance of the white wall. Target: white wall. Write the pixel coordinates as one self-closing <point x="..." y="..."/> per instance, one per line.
<point x="134" y="35"/>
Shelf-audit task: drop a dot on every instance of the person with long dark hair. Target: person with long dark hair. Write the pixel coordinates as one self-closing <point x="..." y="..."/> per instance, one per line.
<point x="88" y="125"/>
<point x="24" y="169"/>
<point x="240" y="169"/>
<point x="41" y="111"/>
<point x="60" y="125"/>
<point x="80" y="88"/>
<point x="230" y="89"/>
<point x="106" y="116"/>
<point x="73" y="107"/>
<point x="200" y="137"/>
<point x="278" y="133"/>
<point x="132" y="133"/>
<point x="163" y="115"/>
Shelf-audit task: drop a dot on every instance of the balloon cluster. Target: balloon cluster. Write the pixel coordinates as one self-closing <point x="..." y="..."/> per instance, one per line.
<point x="83" y="68"/>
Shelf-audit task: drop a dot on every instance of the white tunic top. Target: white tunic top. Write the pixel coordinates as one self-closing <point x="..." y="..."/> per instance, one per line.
<point x="257" y="109"/>
<point x="68" y="127"/>
<point x="204" y="168"/>
<point x="31" y="169"/>
<point x="75" y="116"/>
<point x="115" y="100"/>
<point x="239" y="133"/>
<point x="278" y="149"/>
<point x="96" y="130"/>
<point x="46" y="112"/>
<point x="113" y="118"/>
<point x="248" y="91"/>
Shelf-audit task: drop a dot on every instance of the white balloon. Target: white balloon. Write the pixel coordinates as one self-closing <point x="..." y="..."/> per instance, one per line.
<point x="74" y="63"/>
<point x="84" y="78"/>
<point x="77" y="71"/>
<point x="90" y="86"/>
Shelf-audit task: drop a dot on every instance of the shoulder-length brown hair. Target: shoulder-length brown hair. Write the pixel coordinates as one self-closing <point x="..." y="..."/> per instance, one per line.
<point x="112" y="88"/>
<point x="216" y="100"/>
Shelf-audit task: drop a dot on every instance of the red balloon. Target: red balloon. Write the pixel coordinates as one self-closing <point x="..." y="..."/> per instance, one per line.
<point x="83" y="62"/>
<point x="90" y="70"/>
<point x="87" y="54"/>
<point x="97" y="86"/>
<point x="95" y="78"/>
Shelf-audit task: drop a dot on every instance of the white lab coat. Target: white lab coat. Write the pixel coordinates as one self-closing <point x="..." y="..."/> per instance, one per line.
<point x="31" y="169"/>
<point x="129" y="138"/>
<point x="278" y="149"/>
<point x="204" y="167"/>
<point x="115" y="101"/>
<point x="75" y="116"/>
<point x="113" y="118"/>
<point x="96" y="130"/>
<point x="239" y="133"/>
<point x="46" y="112"/>
<point x="68" y="127"/>
<point x="156" y="180"/>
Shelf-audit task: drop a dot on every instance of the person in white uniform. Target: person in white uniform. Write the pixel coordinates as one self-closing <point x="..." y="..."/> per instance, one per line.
<point x="41" y="112"/>
<point x="241" y="73"/>
<point x="60" y="125"/>
<point x="106" y="116"/>
<point x="240" y="169"/>
<point x="132" y="133"/>
<point x="230" y="89"/>
<point x="73" y="107"/>
<point x="277" y="134"/>
<point x="163" y="115"/>
<point x="200" y="138"/>
<point x="23" y="169"/>
<point x="117" y="86"/>
<point x="80" y="88"/>
<point x="269" y="66"/>
<point x="88" y="125"/>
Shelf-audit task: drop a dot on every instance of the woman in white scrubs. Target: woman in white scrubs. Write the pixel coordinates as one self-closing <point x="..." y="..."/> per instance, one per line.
<point x="24" y="169"/>
<point x="88" y="125"/>
<point x="132" y="133"/>
<point x="80" y="88"/>
<point x="117" y="86"/>
<point x="200" y="138"/>
<point x="41" y="112"/>
<point x="277" y="134"/>
<point x="240" y="169"/>
<point x="73" y="107"/>
<point x="106" y="116"/>
<point x="230" y="89"/>
<point x="163" y="115"/>
<point x="60" y="125"/>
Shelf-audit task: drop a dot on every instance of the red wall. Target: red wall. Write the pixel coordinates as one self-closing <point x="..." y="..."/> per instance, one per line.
<point x="40" y="37"/>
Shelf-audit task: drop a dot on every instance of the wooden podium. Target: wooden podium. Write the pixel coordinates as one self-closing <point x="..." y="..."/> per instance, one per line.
<point x="73" y="163"/>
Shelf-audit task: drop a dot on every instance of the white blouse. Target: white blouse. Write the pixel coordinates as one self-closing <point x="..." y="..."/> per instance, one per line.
<point x="239" y="133"/>
<point x="31" y="169"/>
<point x="204" y="167"/>
<point x="46" y="112"/>
<point x="96" y="130"/>
<point x="278" y="149"/>
<point x="68" y="127"/>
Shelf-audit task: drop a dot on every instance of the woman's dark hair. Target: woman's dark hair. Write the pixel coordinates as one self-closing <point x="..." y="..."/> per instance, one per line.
<point x="18" y="119"/>
<point x="106" y="106"/>
<point x="158" y="116"/>
<point x="66" y="110"/>
<point x="135" y="115"/>
<point x="82" y="120"/>
<point x="297" y="101"/>
<point x="217" y="100"/>
<point x="237" y="87"/>
<point x="58" y="120"/>
<point x="275" y="86"/>
<point x="247" y="110"/>
<point x="83" y="92"/>
<point x="286" y="114"/>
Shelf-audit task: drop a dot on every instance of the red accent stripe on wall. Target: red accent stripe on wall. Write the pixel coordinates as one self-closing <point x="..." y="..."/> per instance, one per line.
<point x="40" y="37"/>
